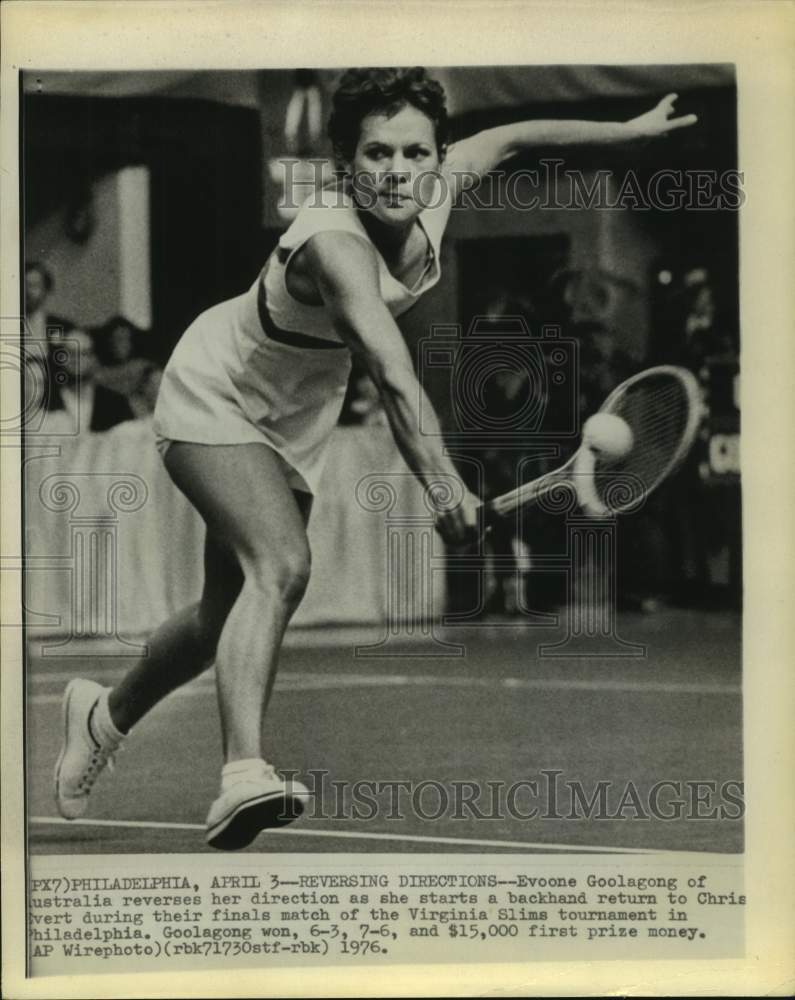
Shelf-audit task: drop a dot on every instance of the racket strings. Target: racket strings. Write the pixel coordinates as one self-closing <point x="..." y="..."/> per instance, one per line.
<point x="662" y="408"/>
<point x="657" y="412"/>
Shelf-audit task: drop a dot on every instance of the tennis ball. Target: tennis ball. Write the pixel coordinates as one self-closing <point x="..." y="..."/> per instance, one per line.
<point x="607" y="435"/>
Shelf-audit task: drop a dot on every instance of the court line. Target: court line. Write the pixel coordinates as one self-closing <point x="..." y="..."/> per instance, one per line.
<point x="327" y="682"/>
<point x="358" y="835"/>
<point x="300" y="637"/>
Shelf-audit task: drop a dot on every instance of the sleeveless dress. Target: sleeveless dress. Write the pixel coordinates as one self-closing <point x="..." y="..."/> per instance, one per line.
<point x="232" y="379"/>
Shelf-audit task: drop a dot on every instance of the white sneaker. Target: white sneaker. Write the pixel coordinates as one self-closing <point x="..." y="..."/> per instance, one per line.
<point x="81" y="759"/>
<point x="253" y="804"/>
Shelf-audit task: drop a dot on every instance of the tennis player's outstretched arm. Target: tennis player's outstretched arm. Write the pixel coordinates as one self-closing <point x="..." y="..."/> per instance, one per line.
<point x="345" y="271"/>
<point x="469" y="160"/>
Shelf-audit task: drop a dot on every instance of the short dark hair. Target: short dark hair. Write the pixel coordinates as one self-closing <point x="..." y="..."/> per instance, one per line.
<point x="363" y="92"/>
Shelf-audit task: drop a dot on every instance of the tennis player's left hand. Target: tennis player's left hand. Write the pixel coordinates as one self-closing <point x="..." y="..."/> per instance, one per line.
<point x="658" y="121"/>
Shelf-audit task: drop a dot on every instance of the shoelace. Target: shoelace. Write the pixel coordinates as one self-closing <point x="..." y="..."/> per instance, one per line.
<point x="99" y="759"/>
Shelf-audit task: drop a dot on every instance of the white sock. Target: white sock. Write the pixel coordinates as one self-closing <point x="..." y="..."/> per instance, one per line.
<point x="240" y="770"/>
<point x="101" y="724"/>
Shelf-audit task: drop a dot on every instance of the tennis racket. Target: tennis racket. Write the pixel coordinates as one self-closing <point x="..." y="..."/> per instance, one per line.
<point x="662" y="408"/>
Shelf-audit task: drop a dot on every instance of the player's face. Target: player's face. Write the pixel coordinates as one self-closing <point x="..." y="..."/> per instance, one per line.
<point x="395" y="165"/>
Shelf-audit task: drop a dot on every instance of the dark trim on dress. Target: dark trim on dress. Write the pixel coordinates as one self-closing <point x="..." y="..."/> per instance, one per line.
<point x="289" y="337"/>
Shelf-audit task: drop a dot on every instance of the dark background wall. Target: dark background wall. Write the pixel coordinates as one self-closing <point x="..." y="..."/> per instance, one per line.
<point x="203" y="159"/>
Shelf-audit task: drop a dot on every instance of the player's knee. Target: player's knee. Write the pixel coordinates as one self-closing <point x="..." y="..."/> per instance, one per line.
<point x="292" y="578"/>
<point x="284" y="578"/>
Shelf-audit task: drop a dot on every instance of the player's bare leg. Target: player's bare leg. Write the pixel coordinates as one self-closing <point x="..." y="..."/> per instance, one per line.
<point x="259" y="570"/>
<point x="96" y="719"/>
<point x="243" y="496"/>
<point x="183" y="646"/>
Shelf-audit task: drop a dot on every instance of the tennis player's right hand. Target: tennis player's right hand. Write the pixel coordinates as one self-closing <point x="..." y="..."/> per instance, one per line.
<point x="460" y="526"/>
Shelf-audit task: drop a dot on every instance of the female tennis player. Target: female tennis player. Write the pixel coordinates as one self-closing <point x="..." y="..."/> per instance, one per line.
<point x="254" y="389"/>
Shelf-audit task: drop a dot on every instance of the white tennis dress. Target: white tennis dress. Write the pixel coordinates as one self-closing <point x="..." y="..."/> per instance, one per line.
<point x="229" y="381"/>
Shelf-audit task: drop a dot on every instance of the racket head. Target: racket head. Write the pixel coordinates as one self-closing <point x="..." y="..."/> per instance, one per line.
<point x="662" y="406"/>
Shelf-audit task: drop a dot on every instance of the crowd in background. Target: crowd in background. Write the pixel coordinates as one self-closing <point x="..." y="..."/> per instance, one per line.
<point x="93" y="377"/>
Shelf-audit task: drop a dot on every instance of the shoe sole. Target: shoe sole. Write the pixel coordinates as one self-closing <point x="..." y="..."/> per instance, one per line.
<point x="65" y="724"/>
<point x="263" y="812"/>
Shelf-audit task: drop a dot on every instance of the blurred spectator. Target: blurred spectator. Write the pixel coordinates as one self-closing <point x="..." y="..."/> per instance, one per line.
<point x="366" y="404"/>
<point x="704" y="522"/>
<point x="74" y="393"/>
<point x="121" y="365"/>
<point x="603" y="365"/>
<point x="362" y="403"/>
<point x="144" y="395"/>
<point x="700" y="324"/>
<point x="39" y="285"/>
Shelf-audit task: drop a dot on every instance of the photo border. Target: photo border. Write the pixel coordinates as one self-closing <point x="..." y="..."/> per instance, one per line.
<point x="757" y="37"/>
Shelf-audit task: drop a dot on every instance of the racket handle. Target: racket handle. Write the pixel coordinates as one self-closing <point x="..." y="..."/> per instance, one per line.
<point x="524" y="495"/>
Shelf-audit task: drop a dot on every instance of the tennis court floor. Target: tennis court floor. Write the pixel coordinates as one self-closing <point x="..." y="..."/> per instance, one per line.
<point x="469" y="728"/>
